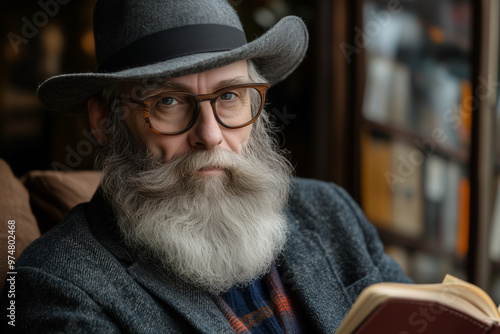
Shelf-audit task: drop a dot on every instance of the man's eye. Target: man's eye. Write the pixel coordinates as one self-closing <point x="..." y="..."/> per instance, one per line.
<point x="227" y="96"/>
<point x="168" y="101"/>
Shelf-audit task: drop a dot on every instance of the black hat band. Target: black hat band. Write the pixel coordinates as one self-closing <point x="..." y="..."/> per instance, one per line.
<point x="173" y="43"/>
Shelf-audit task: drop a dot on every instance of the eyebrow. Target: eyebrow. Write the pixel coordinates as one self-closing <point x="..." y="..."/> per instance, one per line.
<point x="232" y="82"/>
<point x="177" y="86"/>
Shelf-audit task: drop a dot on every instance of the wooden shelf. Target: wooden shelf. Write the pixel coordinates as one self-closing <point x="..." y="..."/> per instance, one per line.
<point x="411" y="244"/>
<point x="460" y="155"/>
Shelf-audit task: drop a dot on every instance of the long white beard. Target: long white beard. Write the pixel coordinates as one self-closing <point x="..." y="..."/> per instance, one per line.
<point x="214" y="231"/>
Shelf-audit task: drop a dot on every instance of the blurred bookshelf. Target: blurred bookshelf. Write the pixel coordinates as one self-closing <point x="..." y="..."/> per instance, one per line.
<point x="427" y="125"/>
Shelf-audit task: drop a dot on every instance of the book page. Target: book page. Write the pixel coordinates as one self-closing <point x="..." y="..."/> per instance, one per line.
<point x="453" y="293"/>
<point x="474" y="295"/>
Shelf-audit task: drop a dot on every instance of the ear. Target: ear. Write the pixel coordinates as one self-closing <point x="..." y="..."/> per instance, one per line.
<point x="98" y="118"/>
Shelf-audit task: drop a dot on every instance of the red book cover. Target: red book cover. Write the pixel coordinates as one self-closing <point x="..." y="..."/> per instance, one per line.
<point x="453" y="306"/>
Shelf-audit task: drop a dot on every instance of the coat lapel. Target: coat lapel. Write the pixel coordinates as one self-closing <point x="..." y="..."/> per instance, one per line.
<point x="195" y="305"/>
<point x="308" y="273"/>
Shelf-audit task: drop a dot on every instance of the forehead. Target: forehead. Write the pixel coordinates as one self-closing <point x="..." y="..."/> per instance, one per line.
<point x="233" y="73"/>
<point x="223" y="73"/>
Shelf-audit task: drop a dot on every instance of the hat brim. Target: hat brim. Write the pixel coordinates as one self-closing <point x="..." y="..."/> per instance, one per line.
<point x="276" y="54"/>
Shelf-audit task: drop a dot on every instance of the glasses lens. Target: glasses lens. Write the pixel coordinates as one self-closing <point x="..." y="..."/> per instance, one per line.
<point x="238" y="106"/>
<point x="171" y="113"/>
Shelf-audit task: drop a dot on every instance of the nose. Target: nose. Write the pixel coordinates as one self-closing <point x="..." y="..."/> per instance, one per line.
<point x="206" y="133"/>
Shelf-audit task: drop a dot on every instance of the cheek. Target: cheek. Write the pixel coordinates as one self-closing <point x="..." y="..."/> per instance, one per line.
<point x="137" y="126"/>
<point x="169" y="146"/>
<point x="236" y="139"/>
<point x="160" y="145"/>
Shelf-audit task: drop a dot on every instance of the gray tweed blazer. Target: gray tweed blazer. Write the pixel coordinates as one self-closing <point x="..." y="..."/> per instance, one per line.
<point x="80" y="278"/>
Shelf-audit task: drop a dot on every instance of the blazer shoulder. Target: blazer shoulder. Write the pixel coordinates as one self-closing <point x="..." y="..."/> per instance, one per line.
<point x="69" y="240"/>
<point x="329" y="210"/>
<point x="316" y="198"/>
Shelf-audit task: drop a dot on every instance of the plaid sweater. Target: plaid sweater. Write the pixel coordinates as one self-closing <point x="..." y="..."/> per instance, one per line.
<point x="264" y="306"/>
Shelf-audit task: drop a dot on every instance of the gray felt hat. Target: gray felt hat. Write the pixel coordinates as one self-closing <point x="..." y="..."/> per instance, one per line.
<point x="170" y="38"/>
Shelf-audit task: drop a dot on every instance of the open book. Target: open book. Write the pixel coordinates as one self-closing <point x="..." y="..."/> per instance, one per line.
<point x="454" y="306"/>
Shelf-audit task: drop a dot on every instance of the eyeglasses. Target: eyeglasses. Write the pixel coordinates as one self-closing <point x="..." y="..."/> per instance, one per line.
<point x="173" y="113"/>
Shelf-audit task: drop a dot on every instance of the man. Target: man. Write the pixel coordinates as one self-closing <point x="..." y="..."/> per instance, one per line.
<point x="197" y="225"/>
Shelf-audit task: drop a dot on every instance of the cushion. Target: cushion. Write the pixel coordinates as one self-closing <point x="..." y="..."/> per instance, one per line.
<point x="14" y="206"/>
<point x="53" y="193"/>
